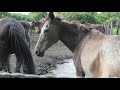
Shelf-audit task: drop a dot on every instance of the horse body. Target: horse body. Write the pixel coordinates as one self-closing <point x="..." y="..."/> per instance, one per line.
<point x="95" y="54"/>
<point x="5" y="51"/>
<point x="99" y="55"/>
<point x="13" y="40"/>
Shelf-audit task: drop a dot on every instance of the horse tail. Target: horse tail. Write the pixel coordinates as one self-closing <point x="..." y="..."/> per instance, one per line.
<point x="20" y="48"/>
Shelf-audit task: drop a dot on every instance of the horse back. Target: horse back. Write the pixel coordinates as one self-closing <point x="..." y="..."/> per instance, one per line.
<point x="6" y="23"/>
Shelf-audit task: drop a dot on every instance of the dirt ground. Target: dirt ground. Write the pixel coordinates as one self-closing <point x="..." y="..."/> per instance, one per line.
<point x="53" y="56"/>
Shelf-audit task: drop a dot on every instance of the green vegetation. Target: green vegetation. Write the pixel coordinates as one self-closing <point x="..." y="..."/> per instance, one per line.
<point x="114" y="31"/>
<point x="106" y="17"/>
<point x="30" y="17"/>
<point x="82" y="17"/>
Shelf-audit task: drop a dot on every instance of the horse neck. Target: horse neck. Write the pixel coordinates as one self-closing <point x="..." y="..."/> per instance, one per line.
<point x="69" y="35"/>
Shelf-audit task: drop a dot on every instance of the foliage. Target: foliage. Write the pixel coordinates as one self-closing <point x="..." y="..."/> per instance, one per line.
<point x="106" y="17"/>
<point x="82" y="17"/>
<point x="30" y="17"/>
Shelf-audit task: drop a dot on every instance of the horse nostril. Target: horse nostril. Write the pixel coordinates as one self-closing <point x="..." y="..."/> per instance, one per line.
<point x="37" y="52"/>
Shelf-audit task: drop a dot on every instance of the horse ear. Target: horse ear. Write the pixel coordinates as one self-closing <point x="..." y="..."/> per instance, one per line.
<point x="51" y="16"/>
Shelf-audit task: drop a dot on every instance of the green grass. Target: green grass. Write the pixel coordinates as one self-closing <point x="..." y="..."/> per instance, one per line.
<point x="114" y="31"/>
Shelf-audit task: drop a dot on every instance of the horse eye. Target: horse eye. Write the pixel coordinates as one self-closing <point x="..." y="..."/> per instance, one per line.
<point x="47" y="30"/>
<point x="47" y="26"/>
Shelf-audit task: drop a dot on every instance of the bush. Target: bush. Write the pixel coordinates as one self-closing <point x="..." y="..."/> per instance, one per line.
<point x="82" y="17"/>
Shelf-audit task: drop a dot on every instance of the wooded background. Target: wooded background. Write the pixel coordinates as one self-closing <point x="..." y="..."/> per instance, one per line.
<point x="82" y="17"/>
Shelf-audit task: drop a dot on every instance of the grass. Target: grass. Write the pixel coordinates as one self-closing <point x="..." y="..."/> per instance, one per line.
<point x="114" y="31"/>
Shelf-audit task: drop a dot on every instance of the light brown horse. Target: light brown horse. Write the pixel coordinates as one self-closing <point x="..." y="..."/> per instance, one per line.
<point x="96" y="55"/>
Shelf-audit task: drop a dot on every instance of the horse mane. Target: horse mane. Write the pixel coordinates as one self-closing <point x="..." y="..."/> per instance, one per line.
<point x="75" y="27"/>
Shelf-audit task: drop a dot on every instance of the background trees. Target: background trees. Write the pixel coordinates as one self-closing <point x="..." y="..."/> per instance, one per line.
<point x="82" y="17"/>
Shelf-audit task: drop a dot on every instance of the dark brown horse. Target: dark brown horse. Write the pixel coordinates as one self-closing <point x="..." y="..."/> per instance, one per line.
<point x="26" y="26"/>
<point x="96" y="26"/>
<point x="13" y="40"/>
<point x="35" y="24"/>
<point x="95" y="54"/>
<point x="38" y="24"/>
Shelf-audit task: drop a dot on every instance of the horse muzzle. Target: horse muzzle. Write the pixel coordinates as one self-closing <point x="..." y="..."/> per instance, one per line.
<point x="39" y="54"/>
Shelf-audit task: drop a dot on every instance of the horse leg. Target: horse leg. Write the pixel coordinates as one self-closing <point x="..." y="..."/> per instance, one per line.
<point x="8" y="66"/>
<point x="33" y="32"/>
<point x="24" y="68"/>
<point x="79" y="70"/>
<point x="80" y="73"/>
<point x="105" y="71"/>
<point x="104" y="75"/>
<point x="5" y="64"/>
<point x="28" y="40"/>
<point x="30" y="32"/>
<point x="18" y="64"/>
<point x="39" y="30"/>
